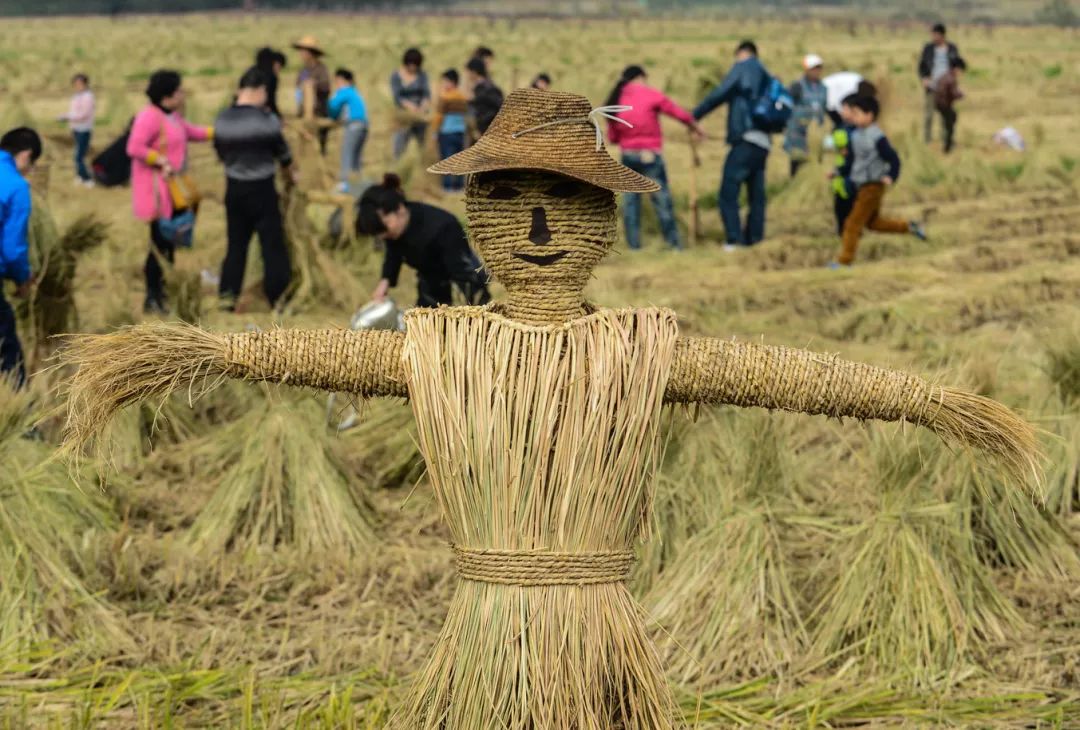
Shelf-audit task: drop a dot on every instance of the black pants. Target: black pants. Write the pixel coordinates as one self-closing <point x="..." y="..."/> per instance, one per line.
<point x="841" y="209"/>
<point x="11" y="355"/>
<point x="155" y="275"/>
<point x="252" y="207"/>
<point x="948" y="119"/>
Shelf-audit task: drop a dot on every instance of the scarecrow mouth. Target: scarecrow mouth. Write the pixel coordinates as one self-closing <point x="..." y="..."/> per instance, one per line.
<point x="540" y="260"/>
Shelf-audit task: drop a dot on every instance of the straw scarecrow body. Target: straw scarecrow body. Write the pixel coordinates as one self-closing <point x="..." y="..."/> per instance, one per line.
<point x="539" y="420"/>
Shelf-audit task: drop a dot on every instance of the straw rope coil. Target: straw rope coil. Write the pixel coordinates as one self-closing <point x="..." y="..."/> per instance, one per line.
<point x="535" y="568"/>
<point x="708" y="370"/>
<point x="147" y="361"/>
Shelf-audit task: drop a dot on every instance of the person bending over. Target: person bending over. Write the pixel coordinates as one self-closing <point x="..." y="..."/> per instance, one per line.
<point x="429" y="239"/>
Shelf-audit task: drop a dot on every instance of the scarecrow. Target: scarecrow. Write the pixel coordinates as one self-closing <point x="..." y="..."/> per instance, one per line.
<point x="538" y="417"/>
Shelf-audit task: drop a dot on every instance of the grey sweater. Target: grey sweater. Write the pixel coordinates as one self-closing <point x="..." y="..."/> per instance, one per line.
<point x="249" y="141"/>
<point x="873" y="156"/>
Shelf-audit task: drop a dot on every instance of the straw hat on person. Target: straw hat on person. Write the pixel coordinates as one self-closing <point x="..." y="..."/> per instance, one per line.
<point x="309" y="43"/>
<point x="552" y="131"/>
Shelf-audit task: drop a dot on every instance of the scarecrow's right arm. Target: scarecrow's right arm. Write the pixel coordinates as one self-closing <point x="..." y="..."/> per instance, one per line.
<point x="715" y="371"/>
<point x="138" y="363"/>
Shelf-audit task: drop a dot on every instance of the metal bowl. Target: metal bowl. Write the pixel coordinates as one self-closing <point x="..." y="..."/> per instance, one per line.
<point x="383" y="315"/>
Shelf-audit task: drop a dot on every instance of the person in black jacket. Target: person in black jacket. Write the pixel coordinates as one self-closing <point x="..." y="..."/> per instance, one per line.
<point x="429" y="239"/>
<point x="248" y="139"/>
<point x="270" y="62"/>
<point x="487" y="98"/>
<point x="937" y="58"/>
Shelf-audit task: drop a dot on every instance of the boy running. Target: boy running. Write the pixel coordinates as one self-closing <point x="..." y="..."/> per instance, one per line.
<point x="874" y="167"/>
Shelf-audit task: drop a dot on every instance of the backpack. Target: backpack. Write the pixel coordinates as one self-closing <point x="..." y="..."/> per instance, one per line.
<point x="113" y="166"/>
<point x="773" y="107"/>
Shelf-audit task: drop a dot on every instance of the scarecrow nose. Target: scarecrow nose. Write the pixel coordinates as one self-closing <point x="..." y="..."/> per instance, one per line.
<point x="539" y="233"/>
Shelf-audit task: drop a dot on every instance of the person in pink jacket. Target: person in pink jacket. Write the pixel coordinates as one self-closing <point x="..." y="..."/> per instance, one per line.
<point x="158" y="149"/>
<point x="642" y="141"/>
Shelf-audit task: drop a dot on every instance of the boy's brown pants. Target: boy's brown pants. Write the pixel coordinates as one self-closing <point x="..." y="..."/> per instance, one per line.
<point x="865" y="213"/>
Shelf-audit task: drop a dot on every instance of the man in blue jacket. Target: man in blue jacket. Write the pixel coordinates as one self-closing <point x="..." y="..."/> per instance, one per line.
<point x="19" y="150"/>
<point x="745" y="163"/>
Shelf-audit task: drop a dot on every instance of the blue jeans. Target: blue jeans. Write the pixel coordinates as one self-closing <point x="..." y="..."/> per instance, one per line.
<point x="352" y="149"/>
<point x="661" y="199"/>
<point x="745" y="165"/>
<point x="450" y="143"/>
<point x="82" y="146"/>
<point x="11" y="354"/>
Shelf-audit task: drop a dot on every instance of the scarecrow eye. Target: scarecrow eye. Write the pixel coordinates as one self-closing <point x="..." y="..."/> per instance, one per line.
<point x="567" y="189"/>
<point x="503" y="192"/>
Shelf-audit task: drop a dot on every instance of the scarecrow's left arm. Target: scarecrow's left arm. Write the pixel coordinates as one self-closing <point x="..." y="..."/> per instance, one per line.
<point x="149" y="361"/>
<point x="714" y="371"/>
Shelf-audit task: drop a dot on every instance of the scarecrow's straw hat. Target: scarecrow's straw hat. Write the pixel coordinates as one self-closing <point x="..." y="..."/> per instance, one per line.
<point x="552" y="131"/>
<point x="309" y="43"/>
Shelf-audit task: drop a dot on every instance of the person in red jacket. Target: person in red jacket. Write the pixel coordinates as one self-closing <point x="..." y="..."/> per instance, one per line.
<point x="636" y="130"/>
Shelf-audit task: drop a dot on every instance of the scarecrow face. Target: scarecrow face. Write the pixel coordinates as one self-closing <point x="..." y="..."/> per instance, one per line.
<point x="538" y="228"/>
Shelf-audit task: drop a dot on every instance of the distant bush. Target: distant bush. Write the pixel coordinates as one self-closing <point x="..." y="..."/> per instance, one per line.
<point x="1058" y="12"/>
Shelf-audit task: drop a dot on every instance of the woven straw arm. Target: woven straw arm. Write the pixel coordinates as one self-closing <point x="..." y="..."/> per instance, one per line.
<point x="363" y="362"/>
<point x="708" y="370"/>
<point x="138" y="363"/>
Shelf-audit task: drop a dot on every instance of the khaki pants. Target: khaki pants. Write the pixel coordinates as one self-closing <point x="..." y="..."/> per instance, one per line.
<point x="865" y="213"/>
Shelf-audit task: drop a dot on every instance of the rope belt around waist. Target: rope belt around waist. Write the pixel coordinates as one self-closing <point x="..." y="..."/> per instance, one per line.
<point x="538" y="568"/>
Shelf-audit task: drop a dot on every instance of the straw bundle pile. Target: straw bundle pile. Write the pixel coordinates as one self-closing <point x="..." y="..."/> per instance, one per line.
<point x="726" y="602"/>
<point x="281" y="486"/>
<point x="905" y="589"/>
<point x="55" y="259"/>
<point x="382" y="447"/>
<point x="541" y="442"/>
<point x="49" y="528"/>
<point x="1011" y="530"/>
<point x="317" y="277"/>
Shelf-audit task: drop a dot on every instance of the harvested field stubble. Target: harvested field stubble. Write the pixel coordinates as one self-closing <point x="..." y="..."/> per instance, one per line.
<point x="802" y="572"/>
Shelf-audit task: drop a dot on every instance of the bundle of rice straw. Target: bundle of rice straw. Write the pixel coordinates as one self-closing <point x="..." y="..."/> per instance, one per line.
<point x="49" y="527"/>
<point x="55" y="259"/>
<point x="726" y="603"/>
<point x="317" y="277"/>
<point x="1012" y="530"/>
<point x="280" y="486"/>
<point x="382" y="446"/>
<point x="905" y="589"/>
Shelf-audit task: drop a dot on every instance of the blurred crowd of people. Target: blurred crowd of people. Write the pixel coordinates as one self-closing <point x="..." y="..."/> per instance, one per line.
<point x="443" y="119"/>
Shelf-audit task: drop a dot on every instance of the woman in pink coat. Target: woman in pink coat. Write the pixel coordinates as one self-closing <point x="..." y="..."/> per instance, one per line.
<point x="642" y="142"/>
<point x="158" y="148"/>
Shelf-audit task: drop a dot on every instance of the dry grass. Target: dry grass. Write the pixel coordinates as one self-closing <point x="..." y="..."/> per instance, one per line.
<point x="908" y="576"/>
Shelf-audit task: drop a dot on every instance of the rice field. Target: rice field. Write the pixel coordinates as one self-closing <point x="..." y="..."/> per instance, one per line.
<point x="802" y="572"/>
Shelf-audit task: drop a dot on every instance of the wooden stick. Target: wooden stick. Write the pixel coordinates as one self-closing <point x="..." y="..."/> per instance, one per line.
<point x="694" y="223"/>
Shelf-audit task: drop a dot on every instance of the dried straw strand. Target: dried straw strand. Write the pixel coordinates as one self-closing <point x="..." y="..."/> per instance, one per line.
<point x="708" y="370"/>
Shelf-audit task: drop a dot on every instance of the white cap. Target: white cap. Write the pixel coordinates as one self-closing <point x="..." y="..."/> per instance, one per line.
<point x="812" y="60"/>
